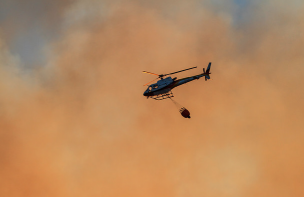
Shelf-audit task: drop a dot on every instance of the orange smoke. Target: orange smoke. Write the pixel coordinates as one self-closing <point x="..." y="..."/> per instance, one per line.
<point x="79" y="126"/>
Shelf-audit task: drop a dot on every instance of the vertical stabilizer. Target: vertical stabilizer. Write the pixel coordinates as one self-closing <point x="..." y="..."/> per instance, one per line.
<point x="207" y="72"/>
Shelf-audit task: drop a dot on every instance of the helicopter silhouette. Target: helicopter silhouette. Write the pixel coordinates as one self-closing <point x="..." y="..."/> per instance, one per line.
<point x="162" y="88"/>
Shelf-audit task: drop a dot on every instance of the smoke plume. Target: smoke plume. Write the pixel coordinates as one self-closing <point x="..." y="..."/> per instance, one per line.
<point x="75" y="122"/>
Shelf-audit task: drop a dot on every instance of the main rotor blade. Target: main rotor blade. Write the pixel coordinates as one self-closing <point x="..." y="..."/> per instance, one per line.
<point x="180" y="71"/>
<point x="150" y="82"/>
<point x="150" y="73"/>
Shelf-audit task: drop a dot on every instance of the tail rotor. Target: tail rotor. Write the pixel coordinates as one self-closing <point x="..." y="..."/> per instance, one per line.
<point x="207" y="72"/>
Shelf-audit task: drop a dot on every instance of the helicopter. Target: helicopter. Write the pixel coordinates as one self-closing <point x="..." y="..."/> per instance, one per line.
<point x="162" y="88"/>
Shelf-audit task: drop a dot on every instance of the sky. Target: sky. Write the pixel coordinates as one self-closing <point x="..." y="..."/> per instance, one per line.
<point x="74" y="122"/>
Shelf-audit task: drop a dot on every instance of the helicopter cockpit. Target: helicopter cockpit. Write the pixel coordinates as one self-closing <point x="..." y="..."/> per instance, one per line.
<point x="152" y="87"/>
<point x="160" y="84"/>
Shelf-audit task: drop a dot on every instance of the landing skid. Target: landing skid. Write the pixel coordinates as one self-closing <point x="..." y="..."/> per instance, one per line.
<point x="162" y="96"/>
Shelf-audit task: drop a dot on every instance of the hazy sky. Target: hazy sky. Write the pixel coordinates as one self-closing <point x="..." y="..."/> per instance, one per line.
<point x="74" y="122"/>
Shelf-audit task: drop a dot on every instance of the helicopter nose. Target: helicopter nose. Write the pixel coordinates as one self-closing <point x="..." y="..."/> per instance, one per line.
<point x="148" y="94"/>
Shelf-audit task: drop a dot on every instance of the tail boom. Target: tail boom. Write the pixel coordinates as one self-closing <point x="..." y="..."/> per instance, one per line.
<point x="182" y="81"/>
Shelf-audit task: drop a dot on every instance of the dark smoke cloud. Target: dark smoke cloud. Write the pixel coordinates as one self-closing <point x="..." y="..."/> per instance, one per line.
<point x="29" y="26"/>
<point x="79" y="126"/>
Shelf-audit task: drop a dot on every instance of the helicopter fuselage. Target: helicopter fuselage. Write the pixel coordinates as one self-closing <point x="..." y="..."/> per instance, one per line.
<point x="164" y="86"/>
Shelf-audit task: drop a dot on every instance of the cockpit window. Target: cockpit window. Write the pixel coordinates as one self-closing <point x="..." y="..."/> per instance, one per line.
<point x="152" y="87"/>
